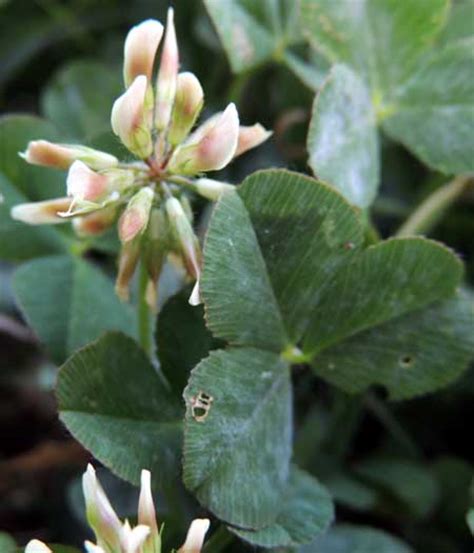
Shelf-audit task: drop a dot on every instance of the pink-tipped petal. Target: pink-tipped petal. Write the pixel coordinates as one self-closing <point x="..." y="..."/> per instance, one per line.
<point x="167" y="75"/>
<point x="85" y="184"/>
<point x="41" y="213"/>
<point x="130" y="118"/>
<point x="95" y="223"/>
<point x="250" y="137"/>
<point x="61" y="156"/>
<point x="134" y="219"/>
<point x="100" y="514"/>
<point x="195" y="538"/>
<point x="140" y="49"/>
<point x="48" y="154"/>
<point x="211" y="147"/>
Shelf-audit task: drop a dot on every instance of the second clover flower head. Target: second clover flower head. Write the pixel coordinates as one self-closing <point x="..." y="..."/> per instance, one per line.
<point x="114" y="536"/>
<point x="154" y="119"/>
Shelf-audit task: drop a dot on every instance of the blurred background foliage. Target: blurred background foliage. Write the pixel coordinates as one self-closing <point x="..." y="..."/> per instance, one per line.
<point x="403" y="467"/>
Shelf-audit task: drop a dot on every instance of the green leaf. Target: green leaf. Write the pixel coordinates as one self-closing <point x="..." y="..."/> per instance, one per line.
<point x="410" y="483"/>
<point x="112" y="400"/>
<point x="69" y="302"/>
<point x="254" y="32"/>
<point x="306" y="511"/>
<point x="470" y="520"/>
<point x="385" y="281"/>
<point x="351" y="493"/>
<point x="182" y="339"/>
<point x="454" y="476"/>
<point x="236" y="459"/>
<point x="381" y="39"/>
<point x="18" y="241"/>
<point x="252" y="296"/>
<point x="346" y="538"/>
<point x="434" y="113"/>
<point x="411" y="355"/>
<point x="35" y="183"/>
<point x="460" y="23"/>
<point x="309" y="73"/>
<point x="7" y="543"/>
<point x="283" y="263"/>
<point x="79" y="99"/>
<point x="342" y="138"/>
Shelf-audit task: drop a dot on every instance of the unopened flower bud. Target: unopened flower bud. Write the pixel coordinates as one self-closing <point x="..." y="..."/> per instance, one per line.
<point x="187" y="241"/>
<point x="131" y="118"/>
<point x="155" y="246"/>
<point x="210" y="147"/>
<point x="140" y="49"/>
<point x="36" y="546"/>
<point x="100" y="514"/>
<point x="62" y="156"/>
<point x="134" y="219"/>
<point x="147" y="515"/>
<point x="187" y="107"/>
<point x="132" y="540"/>
<point x="250" y="137"/>
<point x="211" y="189"/>
<point x="95" y="223"/>
<point x="83" y="184"/>
<point x="41" y="213"/>
<point x="195" y="537"/>
<point x="167" y="76"/>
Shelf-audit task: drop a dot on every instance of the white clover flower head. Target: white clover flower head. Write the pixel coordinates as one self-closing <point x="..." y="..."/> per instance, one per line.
<point x="154" y="119"/>
<point x="115" y="536"/>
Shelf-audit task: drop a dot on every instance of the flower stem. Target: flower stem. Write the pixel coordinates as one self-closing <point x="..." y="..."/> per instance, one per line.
<point x="183" y="181"/>
<point x="144" y="314"/>
<point x="382" y="412"/>
<point x="429" y="212"/>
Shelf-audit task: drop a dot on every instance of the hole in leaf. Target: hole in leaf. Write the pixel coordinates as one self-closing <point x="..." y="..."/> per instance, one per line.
<point x="199" y="412"/>
<point x="406" y="361"/>
<point x="200" y="406"/>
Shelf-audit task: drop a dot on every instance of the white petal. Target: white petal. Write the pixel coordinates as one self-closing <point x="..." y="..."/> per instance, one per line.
<point x="140" y="49"/>
<point x="36" y="546"/>
<point x="195" y="297"/>
<point x="195" y="538"/>
<point x="41" y="213"/>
